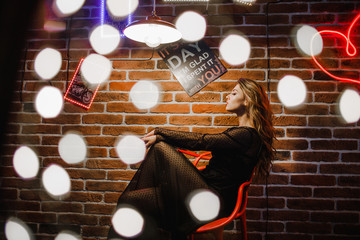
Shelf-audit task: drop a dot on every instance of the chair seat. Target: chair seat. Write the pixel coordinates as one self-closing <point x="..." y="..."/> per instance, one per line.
<point x="212" y="225"/>
<point x="217" y="226"/>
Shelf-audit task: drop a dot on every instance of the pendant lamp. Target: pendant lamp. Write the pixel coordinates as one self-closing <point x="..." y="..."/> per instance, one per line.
<point x="153" y="31"/>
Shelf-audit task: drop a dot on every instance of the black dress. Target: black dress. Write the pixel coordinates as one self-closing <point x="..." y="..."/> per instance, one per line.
<point x="166" y="177"/>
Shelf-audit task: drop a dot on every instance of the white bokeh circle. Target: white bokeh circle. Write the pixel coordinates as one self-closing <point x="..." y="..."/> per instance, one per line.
<point x="291" y="91"/>
<point x="350" y="106"/>
<point x="309" y="41"/>
<point x="67" y="235"/>
<point x="204" y="205"/>
<point x="72" y="148"/>
<point x="144" y="94"/>
<point x="67" y="7"/>
<point x="49" y="102"/>
<point x="56" y="181"/>
<point x="131" y="149"/>
<point x="127" y="222"/>
<point x="16" y="229"/>
<point x="120" y="8"/>
<point x="192" y="26"/>
<point x="235" y="49"/>
<point x="47" y="63"/>
<point x="96" y="69"/>
<point x="104" y="39"/>
<point x="26" y="162"/>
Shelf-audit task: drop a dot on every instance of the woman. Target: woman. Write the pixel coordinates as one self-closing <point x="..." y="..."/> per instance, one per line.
<point x="166" y="178"/>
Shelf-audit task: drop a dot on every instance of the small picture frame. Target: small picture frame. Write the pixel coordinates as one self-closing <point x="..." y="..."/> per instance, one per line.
<point x="78" y="92"/>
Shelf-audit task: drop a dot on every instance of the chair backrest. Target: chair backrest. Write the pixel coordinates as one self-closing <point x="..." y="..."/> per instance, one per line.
<point x="241" y="201"/>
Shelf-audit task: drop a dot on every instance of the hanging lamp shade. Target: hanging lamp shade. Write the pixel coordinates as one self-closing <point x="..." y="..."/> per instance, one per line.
<point x="153" y="31"/>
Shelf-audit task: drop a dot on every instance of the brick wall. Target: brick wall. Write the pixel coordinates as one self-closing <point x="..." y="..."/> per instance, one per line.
<point x="313" y="189"/>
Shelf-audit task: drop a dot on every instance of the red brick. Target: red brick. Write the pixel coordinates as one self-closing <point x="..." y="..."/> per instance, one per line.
<point x="315" y="180"/>
<point x="150" y="75"/>
<point x="189" y="120"/>
<point x="86" y="174"/>
<point x="350" y="157"/>
<point x="291" y="144"/>
<point x="99" y="208"/>
<point x="61" y="207"/>
<point x="340" y="192"/>
<point x="121" y="175"/>
<point x="290" y="191"/>
<point x="105" y="186"/>
<point x="334" y="145"/>
<point x="351" y="169"/>
<point x="94" y="231"/>
<point x="123" y="130"/>
<point x="145" y="119"/>
<point x="83" y="130"/>
<point x="347" y="133"/>
<point x="349" y="181"/>
<point x="294" y="168"/>
<point x="309" y="227"/>
<point x="102" y="119"/>
<point x="37" y="217"/>
<point x="316" y="156"/>
<point x="289" y="121"/>
<point x="102" y="163"/>
<point x="310" y="204"/>
<point x="286" y="215"/>
<point x="230" y="120"/>
<point x="308" y="132"/>
<point x="171" y="108"/>
<point x="80" y="219"/>
<point x="199" y="97"/>
<point x="150" y="64"/>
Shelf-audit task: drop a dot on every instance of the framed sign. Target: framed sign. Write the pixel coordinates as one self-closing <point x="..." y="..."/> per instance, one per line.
<point x="78" y="92"/>
<point x="193" y="64"/>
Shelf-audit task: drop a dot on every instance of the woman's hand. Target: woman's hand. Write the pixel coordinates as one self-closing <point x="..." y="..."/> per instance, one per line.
<point x="149" y="139"/>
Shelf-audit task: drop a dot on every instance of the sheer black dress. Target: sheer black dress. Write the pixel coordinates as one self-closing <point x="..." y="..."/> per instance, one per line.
<point x="166" y="177"/>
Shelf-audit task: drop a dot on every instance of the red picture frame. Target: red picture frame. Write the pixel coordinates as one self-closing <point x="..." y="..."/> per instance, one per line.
<point x="78" y="92"/>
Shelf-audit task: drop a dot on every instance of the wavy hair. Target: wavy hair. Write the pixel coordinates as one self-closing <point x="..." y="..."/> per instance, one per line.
<point x="261" y="116"/>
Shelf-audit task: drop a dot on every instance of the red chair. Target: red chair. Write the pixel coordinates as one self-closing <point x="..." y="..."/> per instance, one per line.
<point x="217" y="226"/>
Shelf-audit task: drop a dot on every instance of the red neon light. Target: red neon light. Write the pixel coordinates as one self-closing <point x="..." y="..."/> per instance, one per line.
<point x="350" y="50"/>
<point x="66" y="96"/>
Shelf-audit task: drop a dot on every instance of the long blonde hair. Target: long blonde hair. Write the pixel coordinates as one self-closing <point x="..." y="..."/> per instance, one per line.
<point x="260" y="115"/>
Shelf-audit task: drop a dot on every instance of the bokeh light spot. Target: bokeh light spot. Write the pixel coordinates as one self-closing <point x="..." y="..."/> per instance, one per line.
<point x="49" y="102"/>
<point x="104" y="39"/>
<point x="16" y="229"/>
<point x="131" y="149"/>
<point x="350" y="106"/>
<point x="54" y="26"/>
<point x="96" y="69"/>
<point x="67" y="7"/>
<point x="127" y="222"/>
<point x="309" y="41"/>
<point x="235" y="49"/>
<point x="144" y="94"/>
<point x="67" y="235"/>
<point x="191" y="25"/>
<point x="291" y="91"/>
<point x="204" y="205"/>
<point x="56" y="181"/>
<point x="121" y="8"/>
<point x="47" y="63"/>
<point x="26" y="162"/>
<point x="72" y="148"/>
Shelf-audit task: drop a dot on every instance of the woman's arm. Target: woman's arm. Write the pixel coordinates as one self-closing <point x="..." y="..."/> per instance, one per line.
<point x="229" y="139"/>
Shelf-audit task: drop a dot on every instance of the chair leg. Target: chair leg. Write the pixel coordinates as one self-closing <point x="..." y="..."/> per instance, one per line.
<point x="218" y="233"/>
<point x="243" y="226"/>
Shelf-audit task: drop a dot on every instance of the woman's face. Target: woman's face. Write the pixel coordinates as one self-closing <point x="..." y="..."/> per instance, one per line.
<point x="236" y="101"/>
